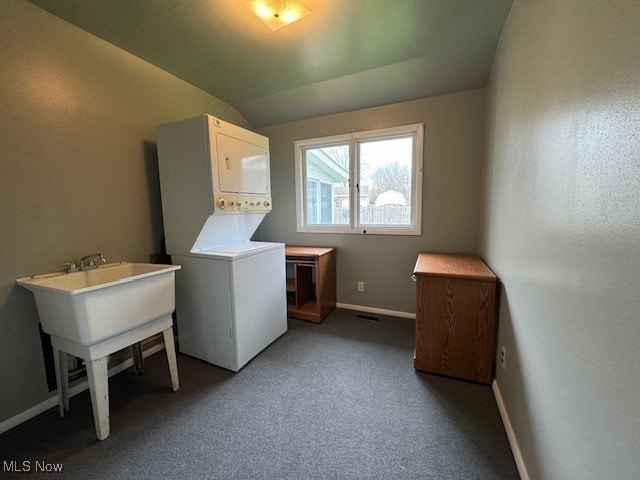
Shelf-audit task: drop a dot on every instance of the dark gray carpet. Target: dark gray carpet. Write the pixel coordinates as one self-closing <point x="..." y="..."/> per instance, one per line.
<point x="339" y="400"/>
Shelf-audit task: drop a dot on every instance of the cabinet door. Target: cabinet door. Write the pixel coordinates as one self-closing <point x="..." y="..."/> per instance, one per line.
<point x="454" y="327"/>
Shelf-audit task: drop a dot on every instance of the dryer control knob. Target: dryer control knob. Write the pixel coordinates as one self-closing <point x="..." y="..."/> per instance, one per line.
<point x="222" y="203"/>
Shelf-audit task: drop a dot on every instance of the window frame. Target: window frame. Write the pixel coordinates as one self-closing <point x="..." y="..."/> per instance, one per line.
<point x="353" y="140"/>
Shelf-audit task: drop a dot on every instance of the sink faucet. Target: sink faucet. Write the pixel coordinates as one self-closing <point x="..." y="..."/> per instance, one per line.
<point x="70" y="267"/>
<point x="91" y="261"/>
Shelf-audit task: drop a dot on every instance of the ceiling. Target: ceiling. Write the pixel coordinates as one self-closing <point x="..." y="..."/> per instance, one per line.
<point x="346" y="55"/>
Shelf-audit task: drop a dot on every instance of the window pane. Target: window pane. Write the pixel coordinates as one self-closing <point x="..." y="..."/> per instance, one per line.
<point x="327" y="172"/>
<point x="312" y="201"/>
<point x="385" y="168"/>
<point x="326" y="202"/>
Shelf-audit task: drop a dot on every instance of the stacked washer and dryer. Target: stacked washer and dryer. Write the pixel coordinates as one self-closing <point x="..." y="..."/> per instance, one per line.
<point x="215" y="187"/>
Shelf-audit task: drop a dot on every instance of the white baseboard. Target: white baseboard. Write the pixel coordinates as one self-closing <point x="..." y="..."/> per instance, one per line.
<point x="21" y="417"/>
<point x="381" y="311"/>
<point x="513" y="443"/>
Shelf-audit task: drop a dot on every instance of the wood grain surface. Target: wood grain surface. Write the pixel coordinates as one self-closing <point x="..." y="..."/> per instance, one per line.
<point x="314" y="283"/>
<point x="453" y="265"/>
<point x="455" y="322"/>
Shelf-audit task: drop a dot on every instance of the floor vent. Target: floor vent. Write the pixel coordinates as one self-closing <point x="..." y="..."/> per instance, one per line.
<point x="373" y="318"/>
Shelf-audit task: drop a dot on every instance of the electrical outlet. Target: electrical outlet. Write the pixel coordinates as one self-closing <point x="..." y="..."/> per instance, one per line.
<point x="361" y="286"/>
<point x="503" y="358"/>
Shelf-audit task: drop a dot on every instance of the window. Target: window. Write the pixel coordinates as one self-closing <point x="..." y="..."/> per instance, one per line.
<point x="364" y="182"/>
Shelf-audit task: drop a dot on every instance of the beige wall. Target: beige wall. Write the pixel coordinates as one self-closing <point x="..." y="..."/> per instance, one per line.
<point x="78" y="167"/>
<point x="453" y="149"/>
<point x="561" y="228"/>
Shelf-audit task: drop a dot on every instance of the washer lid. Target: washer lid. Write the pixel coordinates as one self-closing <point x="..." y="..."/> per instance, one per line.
<point x="238" y="250"/>
<point x="222" y="230"/>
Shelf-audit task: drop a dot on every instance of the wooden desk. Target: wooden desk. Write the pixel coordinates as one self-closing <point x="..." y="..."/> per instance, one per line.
<point x="455" y="316"/>
<point x="311" y="282"/>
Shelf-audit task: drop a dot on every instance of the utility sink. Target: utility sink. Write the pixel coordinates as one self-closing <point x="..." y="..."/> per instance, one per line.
<point x="91" y="306"/>
<point x="93" y="313"/>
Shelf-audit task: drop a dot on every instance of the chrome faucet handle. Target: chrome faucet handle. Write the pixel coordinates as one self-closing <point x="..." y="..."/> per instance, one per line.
<point x="89" y="261"/>
<point x="70" y="267"/>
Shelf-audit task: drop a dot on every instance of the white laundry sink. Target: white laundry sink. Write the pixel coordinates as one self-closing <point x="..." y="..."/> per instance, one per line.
<point x="91" y="306"/>
<point x="93" y="313"/>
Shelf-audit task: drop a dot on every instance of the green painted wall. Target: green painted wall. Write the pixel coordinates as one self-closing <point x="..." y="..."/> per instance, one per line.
<point x="561" y="228"/>
<point x="78" y="167"/>
<point x="453" y="150"/>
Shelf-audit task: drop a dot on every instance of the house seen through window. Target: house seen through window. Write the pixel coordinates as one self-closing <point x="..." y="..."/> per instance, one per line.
<point x="365" y="182"/>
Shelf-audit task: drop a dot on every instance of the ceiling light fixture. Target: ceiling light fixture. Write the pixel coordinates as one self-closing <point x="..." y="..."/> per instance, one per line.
<point x="276" y="14"/>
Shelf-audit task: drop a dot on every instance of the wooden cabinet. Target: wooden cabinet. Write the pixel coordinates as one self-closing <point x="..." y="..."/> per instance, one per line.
<point x="311" y="282"/>
<point x="455" y="316"/>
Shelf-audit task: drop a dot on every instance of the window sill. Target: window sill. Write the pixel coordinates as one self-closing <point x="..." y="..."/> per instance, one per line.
<point x="415" y="231"/>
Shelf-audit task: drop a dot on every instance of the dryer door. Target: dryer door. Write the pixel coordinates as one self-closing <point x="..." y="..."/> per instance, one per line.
<point x="242" y="167"/>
